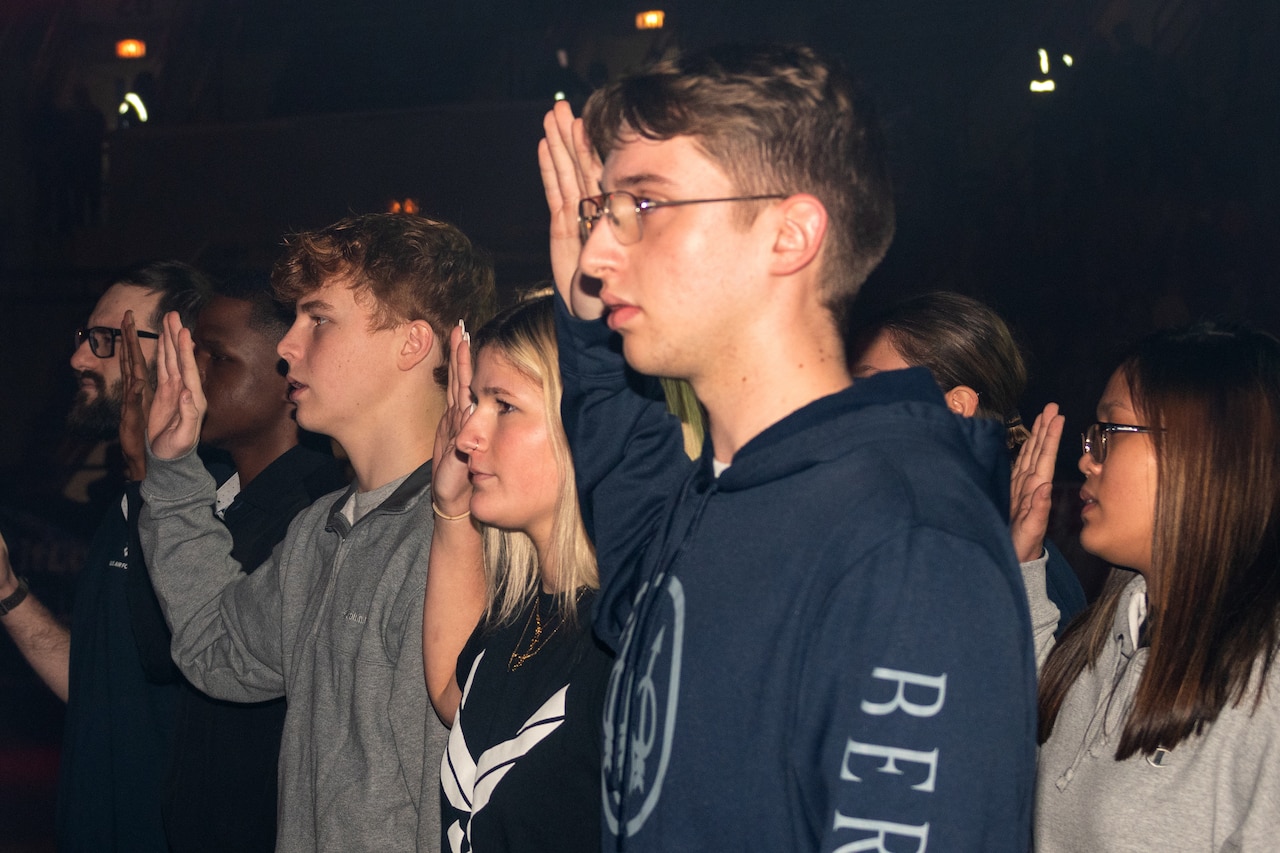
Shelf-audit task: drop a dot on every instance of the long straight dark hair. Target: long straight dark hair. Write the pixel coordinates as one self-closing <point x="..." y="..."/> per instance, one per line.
<point x="1214" y="583"/>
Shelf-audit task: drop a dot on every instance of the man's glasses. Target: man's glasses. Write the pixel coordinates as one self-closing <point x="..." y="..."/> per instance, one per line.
<point x="1094" y="438"/>
<point x="624" y="211"/>
<point x="102" y="339"/>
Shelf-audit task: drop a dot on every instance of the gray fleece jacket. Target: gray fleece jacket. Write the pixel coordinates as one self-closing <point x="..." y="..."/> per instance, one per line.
<point x="1216" y="792"/>
<point x="333" y="622"/>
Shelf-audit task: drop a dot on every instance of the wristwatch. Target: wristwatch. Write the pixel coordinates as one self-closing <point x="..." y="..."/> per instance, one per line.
<point x="19" y="596"/>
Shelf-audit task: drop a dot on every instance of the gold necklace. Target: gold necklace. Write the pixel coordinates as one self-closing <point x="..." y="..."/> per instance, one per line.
<point x="537" y="641"/>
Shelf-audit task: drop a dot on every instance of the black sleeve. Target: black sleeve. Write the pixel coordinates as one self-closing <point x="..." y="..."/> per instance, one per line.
<point x="150" y="632"/>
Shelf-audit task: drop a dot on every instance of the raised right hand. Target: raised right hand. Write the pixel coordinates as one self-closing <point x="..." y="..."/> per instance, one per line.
<point x="450" y="485"/>
<point x="179" y="405"/>
<point x="570" y="170"/>
<point x="1031" y="489"/>
<point x="138" y="395"/>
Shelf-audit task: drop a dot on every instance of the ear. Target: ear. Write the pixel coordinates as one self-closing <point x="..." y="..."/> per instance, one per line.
<point x="962" y="400"/>
<point x="801" y="222"/>
<point x="417" y="344"/>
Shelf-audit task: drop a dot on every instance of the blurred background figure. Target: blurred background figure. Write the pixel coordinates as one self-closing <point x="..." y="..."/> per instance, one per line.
<point x="119" y="724"/>
<point x="979" y="368"/>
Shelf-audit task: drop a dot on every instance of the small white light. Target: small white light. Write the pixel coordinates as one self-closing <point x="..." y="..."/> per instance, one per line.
<point x="1042" y="86"/>
<point x="1044" y="60"/>
<point x="559" y="96"/>
<point x="1068" y="60"/>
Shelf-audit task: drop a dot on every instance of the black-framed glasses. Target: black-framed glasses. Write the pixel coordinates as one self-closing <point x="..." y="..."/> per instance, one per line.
<point x="1094" y="439"/>
<point x="624" y="211"/>
<point x="102" y="339"/>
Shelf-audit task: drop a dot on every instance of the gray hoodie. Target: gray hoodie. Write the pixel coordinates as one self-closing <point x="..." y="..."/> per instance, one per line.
<point x="1216" y="792"/>
<point x="333" y="622"/>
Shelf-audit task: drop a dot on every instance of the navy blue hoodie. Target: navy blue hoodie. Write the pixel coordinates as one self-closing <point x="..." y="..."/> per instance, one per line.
<point x="825" y="648"/>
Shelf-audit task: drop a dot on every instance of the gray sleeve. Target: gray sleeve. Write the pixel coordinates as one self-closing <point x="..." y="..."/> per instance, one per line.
<point x="1044" y="613"/>
<point x="419" y="735"/>
<point x="225" y="624"/>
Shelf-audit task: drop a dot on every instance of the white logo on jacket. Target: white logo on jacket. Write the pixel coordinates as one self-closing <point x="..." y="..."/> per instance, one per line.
<point x="469" y="785"/>
<point x="640" y="713"/>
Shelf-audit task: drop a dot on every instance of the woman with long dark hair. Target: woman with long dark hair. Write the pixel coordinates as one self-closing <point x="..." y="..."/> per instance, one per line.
<point x="1159" y="710"/>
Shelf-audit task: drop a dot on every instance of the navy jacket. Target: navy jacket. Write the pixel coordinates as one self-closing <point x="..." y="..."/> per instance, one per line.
<point x="119" y="725"/>
<point x="828" y="644"/>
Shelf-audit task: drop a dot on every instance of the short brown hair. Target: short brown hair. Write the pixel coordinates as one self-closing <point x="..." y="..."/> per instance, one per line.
<point x="182" y="288"/>
<point x="776" y="120"/>
<point x="414" y="268"/>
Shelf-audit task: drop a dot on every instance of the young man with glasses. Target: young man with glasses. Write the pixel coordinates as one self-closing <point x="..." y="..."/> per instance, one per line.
<point x="119" y="725"/>
<point x="822" y="637"/>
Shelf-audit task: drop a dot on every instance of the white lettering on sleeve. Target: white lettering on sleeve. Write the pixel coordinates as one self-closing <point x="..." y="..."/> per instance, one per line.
<point x="937" y="683"/>
<point x="882" y="830"/>
<point x="891" y="755"/>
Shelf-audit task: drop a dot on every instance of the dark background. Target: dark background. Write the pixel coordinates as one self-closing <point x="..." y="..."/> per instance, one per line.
<point x="1138" y="193"/>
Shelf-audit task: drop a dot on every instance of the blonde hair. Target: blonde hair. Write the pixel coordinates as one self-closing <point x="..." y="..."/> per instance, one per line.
<point x="525" y="336"/>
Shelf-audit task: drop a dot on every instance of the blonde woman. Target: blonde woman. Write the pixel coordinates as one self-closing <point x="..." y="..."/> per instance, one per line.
<point x="525" y="693"/>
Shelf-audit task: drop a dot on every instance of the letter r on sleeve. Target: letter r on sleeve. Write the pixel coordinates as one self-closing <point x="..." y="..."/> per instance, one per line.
<point x="935" y="683"/>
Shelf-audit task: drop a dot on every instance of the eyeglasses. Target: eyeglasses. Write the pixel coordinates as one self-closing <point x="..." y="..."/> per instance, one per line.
<point x="102" y="339"/>
<point x="624" y="209"/>
<point x="1094" y="439"/>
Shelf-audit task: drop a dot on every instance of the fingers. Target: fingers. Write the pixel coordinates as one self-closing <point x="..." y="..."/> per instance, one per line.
<point x="125" y="353"/>
<point x="570" y="168"/>
<point x="459" y="370"/>
<point x="457" y="392"/>
<point x="167" y="358"/>
<point x="133" y="364"/>
<point x="174" y="422"/>
<point x="1050" y="437"/>
<point x="562" y="115"/>
<point x="550" y="179"/>
<point x="590" y="169"/>
<point x="451" y="387"/>
<point x="189" y="368"/>
<point x="465" y="371"/>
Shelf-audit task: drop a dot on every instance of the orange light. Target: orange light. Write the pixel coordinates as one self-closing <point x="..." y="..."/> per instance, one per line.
<point x="650" y="20"/>
<point x="131" y="48"/>
<point x="409" y="205"/>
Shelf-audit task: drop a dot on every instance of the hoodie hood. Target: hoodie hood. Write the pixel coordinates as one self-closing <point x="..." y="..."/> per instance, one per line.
<point x="890" y="408"/>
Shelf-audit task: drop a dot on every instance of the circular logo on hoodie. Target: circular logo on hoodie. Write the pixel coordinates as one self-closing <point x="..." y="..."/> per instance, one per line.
<point x="640" y="707"/>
